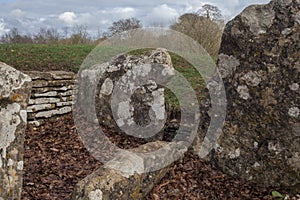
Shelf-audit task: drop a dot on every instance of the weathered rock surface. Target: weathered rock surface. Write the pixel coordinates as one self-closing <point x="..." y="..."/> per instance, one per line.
<point x="14" y="94"/>
<point x="121" y="178"/>
<point x="52" y="94"/>
<point x="260" y="63"/>
<point x="128" y="97"/>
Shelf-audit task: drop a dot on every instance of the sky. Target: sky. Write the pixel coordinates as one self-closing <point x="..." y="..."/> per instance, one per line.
<point x="97" y="15"/>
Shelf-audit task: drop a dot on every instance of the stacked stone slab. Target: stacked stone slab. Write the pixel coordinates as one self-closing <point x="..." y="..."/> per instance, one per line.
<point x="260" y="63"/>
<point x="52" y="94"/>
<point x="14" y="95"/>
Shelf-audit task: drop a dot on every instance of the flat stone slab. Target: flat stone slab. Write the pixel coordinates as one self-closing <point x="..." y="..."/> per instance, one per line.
<point x="121" y="178"/>
<point x="51" y="75"/>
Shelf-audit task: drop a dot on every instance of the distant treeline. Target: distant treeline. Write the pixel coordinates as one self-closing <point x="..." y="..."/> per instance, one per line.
<point x="205" y="26"/>
<point x="76" y="35"/>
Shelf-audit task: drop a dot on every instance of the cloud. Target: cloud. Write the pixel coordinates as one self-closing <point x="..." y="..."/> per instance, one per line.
<point x="30" y="16"/>
<point x="162" y="14"/>
<point x="42" y="19"/>
<point x="18" y="13"/>
<point x="234" y="7"/>
<point x="124" y="10"/>
<point x="118" y="13"/>
<point x="3" y="28"/>
<point x="68" y="17"/>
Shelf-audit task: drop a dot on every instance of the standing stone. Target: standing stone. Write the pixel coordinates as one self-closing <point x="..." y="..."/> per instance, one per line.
<point x="259" y="63"/>
<point x="126" y="93"/>
<point x="138" y="106"/>
<point x="14" y="94"/>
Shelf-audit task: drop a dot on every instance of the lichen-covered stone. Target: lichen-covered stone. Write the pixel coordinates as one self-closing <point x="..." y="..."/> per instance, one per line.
<point x="130" y="182"/>
<point x="14" y="94"/>
<point x="260" y="64"/>
<point x="128" y="97"/>
<point x="10" y="81"/>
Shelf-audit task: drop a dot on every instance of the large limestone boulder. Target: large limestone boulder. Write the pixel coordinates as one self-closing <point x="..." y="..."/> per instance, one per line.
<point x="128" y="96"/>
<point x="14" y="95"/>
<point x="260" y="63"/>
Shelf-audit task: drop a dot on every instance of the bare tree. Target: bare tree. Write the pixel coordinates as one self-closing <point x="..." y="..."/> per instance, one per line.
<point x="124" y="25"/>
<point x="66" y="31"/>
<point x="80" y="35"/>
<point x="205" y="31"/>
<point x="15" y="37"/>
<point x="210" y="12"/>
<point x="5" y="38"/>
<point x="99" y="34"/>
<point x="47" y="36"/>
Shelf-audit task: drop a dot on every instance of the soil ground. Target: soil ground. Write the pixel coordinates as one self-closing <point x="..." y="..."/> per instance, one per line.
<point x="55" y="160"/>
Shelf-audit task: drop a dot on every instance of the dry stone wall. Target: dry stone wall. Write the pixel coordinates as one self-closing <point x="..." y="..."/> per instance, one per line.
<point x="260" y="64"/>
<point x="14" y="95"/>
<point x="52" y="94"/>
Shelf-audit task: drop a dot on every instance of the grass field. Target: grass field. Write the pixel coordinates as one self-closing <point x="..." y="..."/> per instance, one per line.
<point x="26" y="57"/>
<point x="41" y="57"/>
